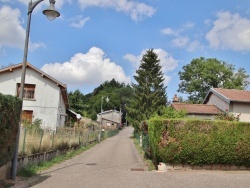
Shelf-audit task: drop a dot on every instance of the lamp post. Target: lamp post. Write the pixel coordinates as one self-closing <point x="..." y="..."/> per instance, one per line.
<point x="51" y="14"/>
<point x="99" y="136"/>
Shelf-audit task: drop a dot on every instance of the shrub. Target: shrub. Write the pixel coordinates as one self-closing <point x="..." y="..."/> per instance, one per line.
<point x="199" y="142"/>
<point x="10" y="108"/>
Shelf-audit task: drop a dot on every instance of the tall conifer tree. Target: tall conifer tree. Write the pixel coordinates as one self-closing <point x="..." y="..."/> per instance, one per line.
<point x="149" y="93"/>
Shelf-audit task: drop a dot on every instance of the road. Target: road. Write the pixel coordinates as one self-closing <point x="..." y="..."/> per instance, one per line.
<point x="109" y="164"/>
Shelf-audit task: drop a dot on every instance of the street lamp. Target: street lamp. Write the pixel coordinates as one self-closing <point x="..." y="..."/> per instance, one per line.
<point x="51" y="14"/>
<point x="107" y="100"/>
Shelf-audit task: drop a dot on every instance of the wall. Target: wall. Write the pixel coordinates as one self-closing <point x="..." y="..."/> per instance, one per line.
<point x="200" y="116"/>
<point x="215" y="100"/>
<point x="243" y="109"/>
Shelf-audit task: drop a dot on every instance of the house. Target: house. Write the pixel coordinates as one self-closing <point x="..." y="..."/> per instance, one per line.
<point x="201" y="111"/>
<point x="45" y="97"/>
<point x="231" y="100"/>
<point x="110" y="119"/>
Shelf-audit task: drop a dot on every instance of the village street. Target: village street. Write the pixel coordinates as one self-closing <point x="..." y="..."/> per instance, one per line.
<point x="109" y="164"/>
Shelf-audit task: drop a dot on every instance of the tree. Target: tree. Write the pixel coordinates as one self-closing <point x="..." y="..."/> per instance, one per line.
<point x="76" y="99"/>
<point x="149" y="93"/>
<point x="202" y="74"/>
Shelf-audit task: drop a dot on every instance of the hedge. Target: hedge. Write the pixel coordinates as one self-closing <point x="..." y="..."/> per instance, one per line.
<point x="199" y="142"/>
<point x="10" y="108"/>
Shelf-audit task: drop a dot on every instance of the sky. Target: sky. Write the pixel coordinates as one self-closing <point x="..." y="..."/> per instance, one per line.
<point x="94" y="41"/>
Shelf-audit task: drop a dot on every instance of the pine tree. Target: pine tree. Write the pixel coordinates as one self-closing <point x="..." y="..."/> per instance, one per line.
<point x="149" y="93"/>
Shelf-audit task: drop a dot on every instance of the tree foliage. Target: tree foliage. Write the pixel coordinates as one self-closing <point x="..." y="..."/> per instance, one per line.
<point x="202" y="74"/>
<point x="89" y="105"/>
<point x="149" y="93"/>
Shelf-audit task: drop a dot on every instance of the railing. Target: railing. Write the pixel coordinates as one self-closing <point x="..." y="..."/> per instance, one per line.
<point x="37" y="141"/>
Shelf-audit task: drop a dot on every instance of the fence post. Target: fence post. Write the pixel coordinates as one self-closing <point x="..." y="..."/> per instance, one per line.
<point x="53" y="135"/>
<point x="79" y="139"/>
<point x="88" y="138"/>
<point x="24" y="138"/>
<point x="41" y="137"/>
<point x="141" y="140"/>
<point x="69" y="139"/>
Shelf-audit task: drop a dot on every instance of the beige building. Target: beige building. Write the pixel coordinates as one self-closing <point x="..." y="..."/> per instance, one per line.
<point x="231" y="100"/>
<point x="110" y="119"/>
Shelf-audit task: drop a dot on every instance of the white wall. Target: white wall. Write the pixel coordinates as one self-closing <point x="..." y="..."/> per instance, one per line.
<point x="47" y="95"/>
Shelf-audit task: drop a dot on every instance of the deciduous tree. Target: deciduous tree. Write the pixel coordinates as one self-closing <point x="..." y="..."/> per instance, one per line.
<point x="202" y="74"/>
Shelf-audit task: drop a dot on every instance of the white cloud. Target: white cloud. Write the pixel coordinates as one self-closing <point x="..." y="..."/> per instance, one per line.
<point x="167" y="62"/>
<point x="180" y="41"/>
<point x="91" y="68"/>
<point x="137" y="11"/>
<point x="230" y="31"/>
<point x="58" y="4"/>
<point x="12" y="33"/>
<point x="168" y="31"/>
<point x="78" y="21"/>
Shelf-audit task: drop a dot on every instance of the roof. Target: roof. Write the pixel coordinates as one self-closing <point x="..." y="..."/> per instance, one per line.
<point x="229" y="95"/>
<point x="73" y="114"/>
<point x="62" y="86"/>
<point x="196" y="108"/>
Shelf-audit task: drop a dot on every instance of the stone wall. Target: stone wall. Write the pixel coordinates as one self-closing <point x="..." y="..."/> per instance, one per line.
<point x="27" y="160"/>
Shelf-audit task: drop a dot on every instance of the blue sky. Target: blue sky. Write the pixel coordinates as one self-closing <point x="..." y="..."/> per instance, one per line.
<point x="97" y="40"/>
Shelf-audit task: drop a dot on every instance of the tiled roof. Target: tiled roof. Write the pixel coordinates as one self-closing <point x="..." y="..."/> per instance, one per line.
<point x="233" y="94"/>
<point x="196" y="108"/>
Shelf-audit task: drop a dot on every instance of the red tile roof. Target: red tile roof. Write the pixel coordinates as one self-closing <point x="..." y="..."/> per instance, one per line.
<point x="196" y="108"/>
<point x="233" y="94"/>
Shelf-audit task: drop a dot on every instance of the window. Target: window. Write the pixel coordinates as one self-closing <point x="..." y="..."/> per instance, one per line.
<point x="27" y="116"/>
<point x="29" y="91"/>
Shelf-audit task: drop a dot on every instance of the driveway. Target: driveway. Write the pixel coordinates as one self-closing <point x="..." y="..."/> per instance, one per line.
<point x="109" y="164"/>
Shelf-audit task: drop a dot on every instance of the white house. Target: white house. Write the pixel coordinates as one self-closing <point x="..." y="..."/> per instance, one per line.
<point x="231" y="100"/>
<point x="45" y="98"/>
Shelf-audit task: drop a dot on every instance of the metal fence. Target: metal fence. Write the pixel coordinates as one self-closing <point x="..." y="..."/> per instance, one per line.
<point x="143" y="139"/>
<point x="37" y="141"/>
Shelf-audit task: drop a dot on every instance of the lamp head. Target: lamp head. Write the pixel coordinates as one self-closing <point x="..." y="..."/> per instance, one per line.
<point x="51" y="12"/>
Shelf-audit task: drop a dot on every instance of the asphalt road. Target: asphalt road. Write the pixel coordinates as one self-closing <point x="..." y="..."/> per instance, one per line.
<point x="109" y="164"/>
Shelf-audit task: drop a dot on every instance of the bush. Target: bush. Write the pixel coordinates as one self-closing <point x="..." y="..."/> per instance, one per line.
<point x="10" y="108"/>
<point x="199" y="142"/>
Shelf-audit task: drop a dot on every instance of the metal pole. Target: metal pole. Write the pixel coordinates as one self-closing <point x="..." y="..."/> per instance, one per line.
<point x="100" y="122"/>
<point x="26" y="46"/>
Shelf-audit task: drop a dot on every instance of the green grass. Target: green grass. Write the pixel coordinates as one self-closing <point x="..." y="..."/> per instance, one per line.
<point x="149" y="163"/>
<point x="33" y="169"/>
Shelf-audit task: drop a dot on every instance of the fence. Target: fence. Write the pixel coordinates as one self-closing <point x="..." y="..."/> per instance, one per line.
<point x="143" y="139"/>
<point x="37" y="141"/>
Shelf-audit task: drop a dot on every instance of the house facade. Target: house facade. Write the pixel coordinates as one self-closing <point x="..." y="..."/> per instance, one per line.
<point x="110" y="119"/>
<point x="45" y="98"/>
<point x="234" y="101"/>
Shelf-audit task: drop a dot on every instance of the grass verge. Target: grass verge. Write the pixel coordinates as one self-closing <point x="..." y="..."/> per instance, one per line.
<point x="33" y="169"/>
<point x="149" y="163"/>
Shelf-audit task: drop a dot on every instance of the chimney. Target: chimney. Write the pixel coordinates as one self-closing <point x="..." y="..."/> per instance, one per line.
<point x="175" y="99"/>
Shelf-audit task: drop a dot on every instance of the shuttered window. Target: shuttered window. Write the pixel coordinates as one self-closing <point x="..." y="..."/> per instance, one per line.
<point x="27" y="116"/>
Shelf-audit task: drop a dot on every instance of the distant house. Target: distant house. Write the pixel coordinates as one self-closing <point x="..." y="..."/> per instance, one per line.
<point x="110" y="119"/>
<point x="201" y="111"/>
<point x="45" y="98"/>
<point x="231" y="100"/>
